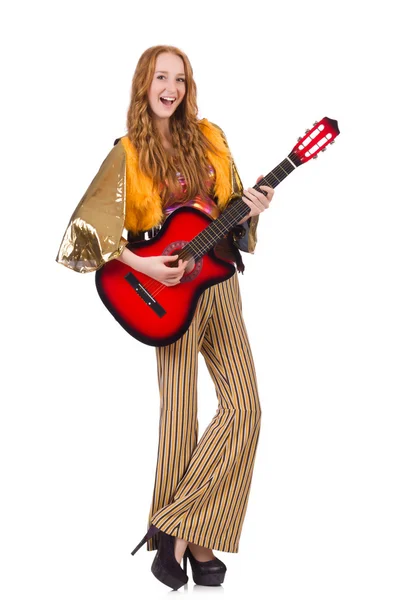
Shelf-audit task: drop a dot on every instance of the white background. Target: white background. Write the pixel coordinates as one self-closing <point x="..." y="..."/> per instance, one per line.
<point x="80" y="407"/>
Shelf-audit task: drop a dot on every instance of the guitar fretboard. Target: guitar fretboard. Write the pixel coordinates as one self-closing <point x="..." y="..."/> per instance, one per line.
<point x="211" y="235"/>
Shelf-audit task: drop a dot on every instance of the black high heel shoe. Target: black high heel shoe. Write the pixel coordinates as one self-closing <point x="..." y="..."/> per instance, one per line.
<point x="208" y="572"/>
<point x="165" y="566"/>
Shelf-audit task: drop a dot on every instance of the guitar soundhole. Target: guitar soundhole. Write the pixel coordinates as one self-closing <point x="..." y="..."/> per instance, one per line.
<point x="193" y="267"/>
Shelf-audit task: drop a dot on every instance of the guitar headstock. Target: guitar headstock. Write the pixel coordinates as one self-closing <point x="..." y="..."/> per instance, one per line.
<point x="315" y="140"/>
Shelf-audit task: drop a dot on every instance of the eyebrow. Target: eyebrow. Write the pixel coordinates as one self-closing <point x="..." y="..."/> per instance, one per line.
<point x="167" y="72"/>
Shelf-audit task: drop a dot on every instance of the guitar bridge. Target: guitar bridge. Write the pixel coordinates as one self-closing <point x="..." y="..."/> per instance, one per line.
<point x="144" y="294"/>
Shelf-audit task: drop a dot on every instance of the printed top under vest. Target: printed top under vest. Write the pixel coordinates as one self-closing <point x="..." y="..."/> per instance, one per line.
<point x="206" y="204"/>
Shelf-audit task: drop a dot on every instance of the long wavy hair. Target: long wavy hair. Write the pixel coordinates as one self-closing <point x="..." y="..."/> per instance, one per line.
<point x="190" y="143"/>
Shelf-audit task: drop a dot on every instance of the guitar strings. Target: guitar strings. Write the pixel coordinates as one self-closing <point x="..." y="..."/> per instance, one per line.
<point x="185" y="252"/>
<point x="229" y="218"/>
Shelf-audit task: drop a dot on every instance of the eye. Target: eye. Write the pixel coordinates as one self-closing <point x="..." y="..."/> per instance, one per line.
<point x="180" y="78"/>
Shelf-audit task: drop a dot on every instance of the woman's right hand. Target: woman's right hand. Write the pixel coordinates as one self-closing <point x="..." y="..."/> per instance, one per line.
<point x="156" y="268"/>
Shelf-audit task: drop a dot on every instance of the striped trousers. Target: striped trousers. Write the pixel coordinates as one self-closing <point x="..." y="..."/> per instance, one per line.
<point x="201" y="487"/>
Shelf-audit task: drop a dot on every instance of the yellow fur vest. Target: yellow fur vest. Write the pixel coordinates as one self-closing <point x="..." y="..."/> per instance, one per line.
<point x="143" y="203"/>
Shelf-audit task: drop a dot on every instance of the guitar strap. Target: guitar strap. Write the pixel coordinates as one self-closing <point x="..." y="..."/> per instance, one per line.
<point x="142" y="235"/>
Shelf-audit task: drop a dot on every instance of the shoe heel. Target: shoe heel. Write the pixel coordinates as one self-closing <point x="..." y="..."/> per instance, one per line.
<point x="149" y="534"/>
<point x="185" y="563"/>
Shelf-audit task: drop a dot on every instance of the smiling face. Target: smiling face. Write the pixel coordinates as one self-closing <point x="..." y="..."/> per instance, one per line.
<point x="168" y="83"/>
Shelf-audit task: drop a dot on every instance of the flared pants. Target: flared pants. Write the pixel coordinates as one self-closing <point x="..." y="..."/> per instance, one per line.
<point x="201" y="488"/>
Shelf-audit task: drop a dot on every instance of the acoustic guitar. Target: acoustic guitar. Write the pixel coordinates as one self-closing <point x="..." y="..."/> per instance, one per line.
<point x="156" y="314"/>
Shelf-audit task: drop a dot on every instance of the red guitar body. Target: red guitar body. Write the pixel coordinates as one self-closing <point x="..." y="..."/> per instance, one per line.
<point x="151" y="312"/>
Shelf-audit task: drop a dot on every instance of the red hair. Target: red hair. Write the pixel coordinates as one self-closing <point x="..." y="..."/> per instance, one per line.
<point x="190" y="143"/>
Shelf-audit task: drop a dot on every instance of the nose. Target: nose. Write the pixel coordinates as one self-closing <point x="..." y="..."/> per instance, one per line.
<point x="171" y="88"/>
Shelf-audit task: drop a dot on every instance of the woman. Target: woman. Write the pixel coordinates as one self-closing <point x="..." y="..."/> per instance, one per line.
<point x="169" y="158"/>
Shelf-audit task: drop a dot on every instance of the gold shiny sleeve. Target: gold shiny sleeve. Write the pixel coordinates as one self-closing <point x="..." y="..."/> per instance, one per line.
<point x="94" y="233"/>
<point x="246" y="240"/>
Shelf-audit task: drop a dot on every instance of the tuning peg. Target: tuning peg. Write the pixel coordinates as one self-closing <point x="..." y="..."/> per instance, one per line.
<point x="307" y="130"/>
<point x="315" y="156"/>
<point x="332" y="142"/>
<point x="299" y="139"/>
<point x="323" y="149"/>
<point x="315" y="122"/>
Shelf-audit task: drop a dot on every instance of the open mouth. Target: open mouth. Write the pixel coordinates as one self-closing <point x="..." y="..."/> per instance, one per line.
<point x="167" y="101"/>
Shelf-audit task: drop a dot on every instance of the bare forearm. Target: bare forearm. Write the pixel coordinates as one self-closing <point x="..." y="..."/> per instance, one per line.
<point x="130" y="259"/>
<point x="155" y="267"/>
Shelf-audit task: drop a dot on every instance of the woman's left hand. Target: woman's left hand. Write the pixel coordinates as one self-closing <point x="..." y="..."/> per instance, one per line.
<point x="257" y="201"/>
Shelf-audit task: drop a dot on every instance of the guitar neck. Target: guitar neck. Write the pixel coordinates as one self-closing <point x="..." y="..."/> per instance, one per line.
<point x="211" y="235"/>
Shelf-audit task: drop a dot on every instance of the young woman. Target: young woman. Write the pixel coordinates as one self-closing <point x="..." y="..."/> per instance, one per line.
<point x="170" y="158"/>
